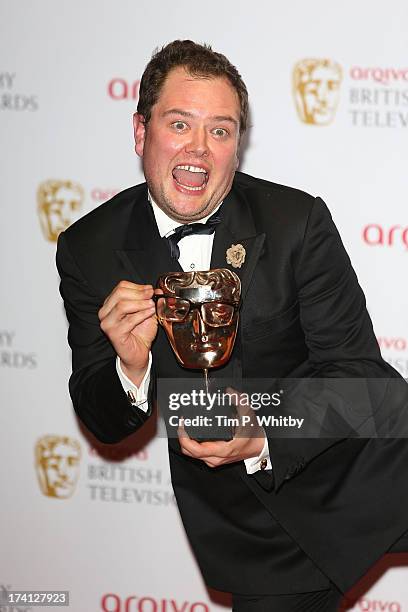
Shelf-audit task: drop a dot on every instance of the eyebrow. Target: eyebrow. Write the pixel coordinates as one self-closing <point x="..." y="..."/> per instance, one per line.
<point x="183" y="113"/>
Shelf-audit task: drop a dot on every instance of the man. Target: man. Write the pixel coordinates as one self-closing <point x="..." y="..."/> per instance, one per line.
<point x="283" y="524"/>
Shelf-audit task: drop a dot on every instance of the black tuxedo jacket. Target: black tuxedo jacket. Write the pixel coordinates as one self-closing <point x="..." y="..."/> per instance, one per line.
<point x="343" y="500"/>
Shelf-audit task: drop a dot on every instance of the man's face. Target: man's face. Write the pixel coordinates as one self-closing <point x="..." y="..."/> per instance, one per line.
<point x="190" y="146"/>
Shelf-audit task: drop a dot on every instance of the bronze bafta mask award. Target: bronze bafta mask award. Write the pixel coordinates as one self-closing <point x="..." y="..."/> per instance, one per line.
<point x="199" y="313"/>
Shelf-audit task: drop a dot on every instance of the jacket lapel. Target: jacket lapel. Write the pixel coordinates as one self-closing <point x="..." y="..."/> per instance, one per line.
<point x="145" y="254"/>
<point x="237" y="227"/>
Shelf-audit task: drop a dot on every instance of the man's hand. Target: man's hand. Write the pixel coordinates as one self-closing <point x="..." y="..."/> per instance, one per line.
<point x="128" y="318"/>
<point x="248" y="441"/>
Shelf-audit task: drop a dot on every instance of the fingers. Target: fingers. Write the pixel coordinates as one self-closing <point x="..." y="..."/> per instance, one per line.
<point x="126" y="289"/>
<point x="212" y="451"/>
<point x="126" y="307"/>
<point x="217" y="453"/>
<point x="195" y="452"/>
<point x="213" y="454"/>
<point x="127" y="323"/>
<point x="126" y="292"/>
<point x="222" y="453"/>
<point x="126" y="315"/>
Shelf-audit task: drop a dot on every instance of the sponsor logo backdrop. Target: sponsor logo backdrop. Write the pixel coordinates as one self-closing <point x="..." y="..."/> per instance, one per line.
<point x="329" y="112"/>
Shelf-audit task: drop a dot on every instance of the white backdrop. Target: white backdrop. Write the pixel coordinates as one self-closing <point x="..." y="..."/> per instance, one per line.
<point x="68" y="88"/>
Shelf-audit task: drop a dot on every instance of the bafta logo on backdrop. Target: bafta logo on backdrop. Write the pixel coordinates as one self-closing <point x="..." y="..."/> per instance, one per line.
<point x="316" y="90"/>
<point x="57" y="460"/>
<point x="57" y="201"/>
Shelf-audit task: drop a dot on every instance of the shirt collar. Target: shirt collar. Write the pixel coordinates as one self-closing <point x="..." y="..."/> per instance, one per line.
<point x="165" y="224"/>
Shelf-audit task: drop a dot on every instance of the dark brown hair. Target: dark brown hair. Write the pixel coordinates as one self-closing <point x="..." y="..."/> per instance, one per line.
<point x="199" y="61"/>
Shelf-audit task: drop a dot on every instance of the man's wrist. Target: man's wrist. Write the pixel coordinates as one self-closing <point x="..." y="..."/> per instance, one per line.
<point x="261" y="462"/>
<point x="135" y="375"/>
<point x="137" y="395"/>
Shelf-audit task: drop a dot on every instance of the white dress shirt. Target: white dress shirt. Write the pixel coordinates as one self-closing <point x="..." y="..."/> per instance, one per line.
<point x="195" y="254"/>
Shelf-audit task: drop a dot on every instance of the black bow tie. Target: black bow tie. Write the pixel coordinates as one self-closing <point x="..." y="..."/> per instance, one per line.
<point x="188" y="230"/>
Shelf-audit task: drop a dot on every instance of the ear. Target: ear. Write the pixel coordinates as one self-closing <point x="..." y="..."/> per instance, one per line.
<point x="139" y="131"/>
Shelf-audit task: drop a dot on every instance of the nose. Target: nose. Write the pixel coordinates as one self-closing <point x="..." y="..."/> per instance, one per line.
<point x="62" y="468"/>
<point x="322" y="92"/>
<point x="199" y="327"/>
<point x="197" y="144"/>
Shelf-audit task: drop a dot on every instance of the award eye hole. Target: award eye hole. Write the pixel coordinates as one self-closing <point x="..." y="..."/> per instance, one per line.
<point x="180" y="312"/>
<point x="173" y="309"/>
<point x="219" y="314"/>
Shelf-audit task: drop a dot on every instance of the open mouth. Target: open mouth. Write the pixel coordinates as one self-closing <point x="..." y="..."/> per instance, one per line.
<point x="191" y="178"/>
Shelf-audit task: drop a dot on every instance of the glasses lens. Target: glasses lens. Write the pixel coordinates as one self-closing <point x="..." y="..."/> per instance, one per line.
<point x="217" y="313"/>
<point x="172" y="309"/>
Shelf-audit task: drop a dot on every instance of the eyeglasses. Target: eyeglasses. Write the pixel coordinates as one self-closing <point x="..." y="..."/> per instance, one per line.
<point x="175" y="310"/>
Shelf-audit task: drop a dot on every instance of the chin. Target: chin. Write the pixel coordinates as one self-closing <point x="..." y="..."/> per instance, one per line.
<point x="200" y="361"/>
<point x="189" y="206"/>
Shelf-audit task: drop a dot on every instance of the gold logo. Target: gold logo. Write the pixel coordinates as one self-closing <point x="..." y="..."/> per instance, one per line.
<point x="57" y="464"/>
<point x="56" y="201"/>
<point x="316" y="89"/>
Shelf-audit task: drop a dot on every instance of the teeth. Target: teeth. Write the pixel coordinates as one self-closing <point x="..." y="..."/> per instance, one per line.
<point x="191" y="188"/>
<point x="192" y="168"/>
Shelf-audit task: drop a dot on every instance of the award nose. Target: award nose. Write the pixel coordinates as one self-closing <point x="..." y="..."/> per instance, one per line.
<point x="199" y="326"/>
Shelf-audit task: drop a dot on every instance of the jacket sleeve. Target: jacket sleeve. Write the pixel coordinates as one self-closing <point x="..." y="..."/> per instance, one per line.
<point x="96" y="392"/>
<point x="341" y="345"/>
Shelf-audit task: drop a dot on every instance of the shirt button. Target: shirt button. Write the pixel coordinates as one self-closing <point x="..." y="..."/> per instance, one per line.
<point x="192" y="266"/>
<point x="263" y="464"/>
